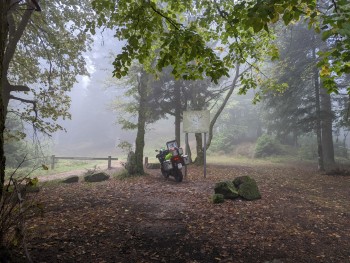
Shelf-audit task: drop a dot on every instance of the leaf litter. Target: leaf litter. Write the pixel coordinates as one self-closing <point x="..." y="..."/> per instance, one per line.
<point x="303" y="216"/>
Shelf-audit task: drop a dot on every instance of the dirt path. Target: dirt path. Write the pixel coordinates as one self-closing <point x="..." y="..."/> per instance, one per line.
<point x="117" y="166"/>
<point x="302" y="217"/>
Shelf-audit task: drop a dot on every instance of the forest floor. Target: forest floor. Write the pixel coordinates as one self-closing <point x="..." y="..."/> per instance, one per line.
<point x="303" y="216"/>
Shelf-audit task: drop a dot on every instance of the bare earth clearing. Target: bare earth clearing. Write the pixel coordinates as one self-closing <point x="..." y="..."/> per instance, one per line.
<point x="302" y="217"/>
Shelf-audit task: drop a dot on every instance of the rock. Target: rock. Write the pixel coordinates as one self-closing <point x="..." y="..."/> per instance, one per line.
<point x="97" y="177"/>
<point x="240" y="180"/>
<point x="218" y="198"/>
<point x="227" y="189"/>
<point x="249" y="190"/>
<point x="71" y="179"/>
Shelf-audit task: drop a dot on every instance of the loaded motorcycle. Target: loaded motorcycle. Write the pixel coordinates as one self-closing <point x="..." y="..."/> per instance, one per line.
<point x="172" y="160"/>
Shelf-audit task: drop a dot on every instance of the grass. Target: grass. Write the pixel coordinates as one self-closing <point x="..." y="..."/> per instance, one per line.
<point x="60" y="167"/>
<point x="242" y="160"/>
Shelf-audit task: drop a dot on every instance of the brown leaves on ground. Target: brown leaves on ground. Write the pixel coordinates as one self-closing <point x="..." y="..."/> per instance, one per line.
<point x="302" y="217"/>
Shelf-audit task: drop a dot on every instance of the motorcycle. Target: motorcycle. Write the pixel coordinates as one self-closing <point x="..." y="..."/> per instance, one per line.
<point x="172" y="160"/>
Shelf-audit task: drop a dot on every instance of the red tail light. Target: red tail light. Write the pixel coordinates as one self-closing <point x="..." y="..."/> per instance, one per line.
<point x="176" y="158"/>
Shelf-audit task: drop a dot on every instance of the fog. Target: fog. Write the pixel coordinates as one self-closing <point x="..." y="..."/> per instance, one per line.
<point x="93" y="130"/>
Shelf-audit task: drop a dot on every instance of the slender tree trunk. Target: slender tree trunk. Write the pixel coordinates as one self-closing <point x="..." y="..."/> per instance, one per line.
<point x="141" y="124"/>
<point x="327" y="129"/>
<point x="4" y="5"/>
<point x="318" y="115"/>
<point x="222" y="106"/>
<point x="318" y="108"/>
<point x="178" y="106"/>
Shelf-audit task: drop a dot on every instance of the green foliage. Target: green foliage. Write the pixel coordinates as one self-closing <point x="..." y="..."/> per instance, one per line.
<point x="48" y="58"/>
<point x="218" y="198"/>
<point x="266" y="145"/>
<point x="165" y="33"/>
<point x="125" y="146"/>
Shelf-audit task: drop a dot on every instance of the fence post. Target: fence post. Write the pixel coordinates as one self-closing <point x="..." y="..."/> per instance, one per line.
<point x="52" y="162"/>
<point x="109" y="162"/>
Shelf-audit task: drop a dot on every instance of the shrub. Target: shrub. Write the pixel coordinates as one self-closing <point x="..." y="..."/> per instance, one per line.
<point x="267" y="146"/>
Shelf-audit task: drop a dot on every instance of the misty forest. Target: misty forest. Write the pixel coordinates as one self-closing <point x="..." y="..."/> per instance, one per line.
<point x="175" y="131"/>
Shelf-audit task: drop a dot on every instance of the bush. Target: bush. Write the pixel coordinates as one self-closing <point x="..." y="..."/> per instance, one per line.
<point x="267" y="146"/>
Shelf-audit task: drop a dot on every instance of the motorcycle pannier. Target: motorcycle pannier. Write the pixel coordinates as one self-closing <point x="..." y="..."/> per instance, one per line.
<point x="186" y="159"/>
<point x="167" y="165"/>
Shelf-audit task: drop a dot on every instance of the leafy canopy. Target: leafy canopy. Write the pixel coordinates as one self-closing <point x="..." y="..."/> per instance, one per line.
<point x="209" y="37"/>
<point x="48" y="58"/>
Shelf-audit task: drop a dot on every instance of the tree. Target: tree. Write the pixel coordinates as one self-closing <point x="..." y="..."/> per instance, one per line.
<point x="303" y="105"/>
<point x="141" y="108"/>
<point x="146" y="24"/>
<point x="41" y="53"/>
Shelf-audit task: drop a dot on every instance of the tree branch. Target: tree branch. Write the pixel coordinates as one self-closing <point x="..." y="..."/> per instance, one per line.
<point x="18" y="88"/>
<point x="221" y="108"/>
<point x="173" y="23"/>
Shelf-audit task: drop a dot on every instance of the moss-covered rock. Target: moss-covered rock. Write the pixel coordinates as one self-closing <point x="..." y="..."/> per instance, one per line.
<point x="249" y="190"/>
<point x="97" y="177"/>
<point x="227" y="189"/>
<point x="71" y="179"/>
<point x="218" y="198"/>
<point x="240" y="180"/>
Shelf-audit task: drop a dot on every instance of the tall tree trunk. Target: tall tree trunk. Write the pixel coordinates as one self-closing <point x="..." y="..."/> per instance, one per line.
<point x="141" y="123"/>
<point x="327" y="129"/>
<point x="318" y="108"/>
<point x="178" y="106"/>
<point x="4" y="5"/>
<point x="318" y="115"/>
<point x="200" y="154"/>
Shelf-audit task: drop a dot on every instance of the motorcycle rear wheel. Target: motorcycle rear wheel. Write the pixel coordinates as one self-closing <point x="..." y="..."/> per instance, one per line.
<point x="178" y="176"/>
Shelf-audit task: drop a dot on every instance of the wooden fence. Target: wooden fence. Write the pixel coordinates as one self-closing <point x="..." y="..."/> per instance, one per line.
<point x="54" y="158"/>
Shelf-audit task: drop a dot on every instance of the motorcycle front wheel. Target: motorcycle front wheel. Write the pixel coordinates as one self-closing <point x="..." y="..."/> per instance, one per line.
<point x="165" y="174"/>
<point x="178" y="175"/>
